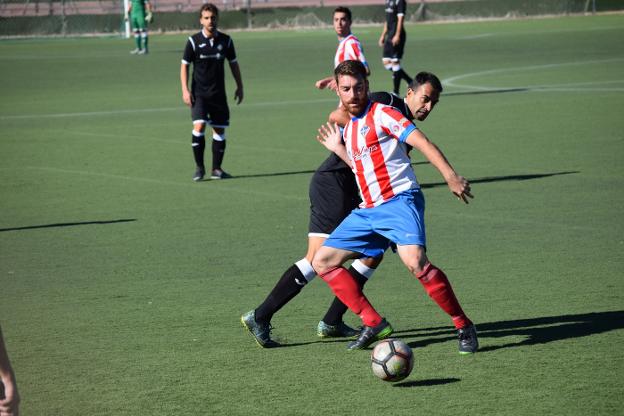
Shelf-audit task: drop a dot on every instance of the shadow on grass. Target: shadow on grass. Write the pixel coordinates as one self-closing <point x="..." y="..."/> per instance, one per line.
<point x="534" y="330"/>
<point x="489" y="179"/>
<point x="486" y="179"/>
<point x="297" y="172"/>
<point x="426" y="383"/>
<point x="65" y="224"/>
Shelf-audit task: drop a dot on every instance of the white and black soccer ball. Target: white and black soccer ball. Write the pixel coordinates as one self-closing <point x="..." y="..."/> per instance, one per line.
<point x="392" y="360"/>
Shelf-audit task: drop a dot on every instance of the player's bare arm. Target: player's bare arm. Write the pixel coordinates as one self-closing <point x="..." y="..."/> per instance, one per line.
<point x="330" y="137"/>
<point x="458" y="185"/>
<point x="328" y="82"/>
<point x="186" y="94"/>
<point x="238" y="94"/>
<point x="396" y="39"/>
<point x="382" y="38"/>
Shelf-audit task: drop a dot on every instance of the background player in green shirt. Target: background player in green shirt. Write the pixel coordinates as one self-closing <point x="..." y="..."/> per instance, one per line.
<point x="140" y="14"/>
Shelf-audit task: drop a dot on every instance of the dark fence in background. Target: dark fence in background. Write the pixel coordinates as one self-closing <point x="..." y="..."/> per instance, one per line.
<point x="77" y="17"/>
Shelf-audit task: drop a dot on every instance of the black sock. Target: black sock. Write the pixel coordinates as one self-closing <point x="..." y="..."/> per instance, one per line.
<point x="337" y="309"/>
<point x="404" y="76"/>
<point x="396" y="81"/>
<point x="289" y="285"/>
<point x="199" y="144"/>
<point x="218" y="151"/>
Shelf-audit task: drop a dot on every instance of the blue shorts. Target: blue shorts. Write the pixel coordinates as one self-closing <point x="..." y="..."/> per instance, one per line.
<point x="370" y="231"/>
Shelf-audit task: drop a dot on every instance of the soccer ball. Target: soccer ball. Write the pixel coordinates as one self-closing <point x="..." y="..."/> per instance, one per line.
<point x="392" y="360"/>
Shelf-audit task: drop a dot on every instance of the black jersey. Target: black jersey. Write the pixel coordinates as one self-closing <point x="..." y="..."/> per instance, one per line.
<point x="394" y="9"/>
<point x="393" y="100"/>
<point x="208" y="57"/>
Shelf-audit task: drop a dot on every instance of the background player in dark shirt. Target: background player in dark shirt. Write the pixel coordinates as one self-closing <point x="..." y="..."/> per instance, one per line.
<point x="207" y="51"/>
<point x="333" y="195"/>
<point x="392" y="40"/>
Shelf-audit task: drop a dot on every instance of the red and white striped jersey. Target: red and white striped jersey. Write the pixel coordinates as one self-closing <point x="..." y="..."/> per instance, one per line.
<point x="375" y="146"/>
<point x="349" y="49"/>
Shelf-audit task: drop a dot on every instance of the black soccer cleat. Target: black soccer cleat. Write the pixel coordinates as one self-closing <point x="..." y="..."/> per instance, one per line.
<point x="370" y="334"/>
<point x="219" y="174"/>
<point x="468" y="342"/>
<point x="199" y="174"/>
<point x="261" y="331"/>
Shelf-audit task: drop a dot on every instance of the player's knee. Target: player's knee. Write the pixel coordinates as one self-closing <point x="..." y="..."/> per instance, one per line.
<point x="371" y="262"/>
<point x="416" y="262"/>
<point x="199" y="127"/>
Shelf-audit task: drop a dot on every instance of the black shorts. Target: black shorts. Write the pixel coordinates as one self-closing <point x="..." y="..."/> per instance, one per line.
<point x="213" y="111"/>
<point x="333" y="195"/>
<point x="393" y="52"/>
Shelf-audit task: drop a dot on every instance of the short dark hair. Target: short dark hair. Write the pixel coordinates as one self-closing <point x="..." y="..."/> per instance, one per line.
<point x="353" y="68"/>
<point x="424" y="78"/>
<point x="209" y="7"/>
<point x="345" y="10"/>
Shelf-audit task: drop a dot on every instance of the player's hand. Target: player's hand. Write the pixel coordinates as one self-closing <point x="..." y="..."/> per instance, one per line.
<point x="238" y="95"/>
<point x="330" y="136"/>
<point x="186" y="97"/>
<point x="9" y="404"/>
<point x="396" y="39"/>
<point x="149" y="17"/>
<point x="321" y="84"/>
<point x="126" y="17"/>
<point x="382" y="40"/>
<point x="460" y="188"/>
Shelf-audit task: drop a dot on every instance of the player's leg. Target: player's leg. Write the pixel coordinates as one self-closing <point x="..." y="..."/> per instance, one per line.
<point x="438" y="287"/>
<point x="144" y="38"/>
<point x="332" y="323"/>
<point x="198" y="141"/>
<point x="219" y="120"/>
<point x="136" y="32"/>
<point x="353" y="238"/>
<point x="333" y="195"/>
<point x="292" y="281"/>
<point x="408" y="231"/>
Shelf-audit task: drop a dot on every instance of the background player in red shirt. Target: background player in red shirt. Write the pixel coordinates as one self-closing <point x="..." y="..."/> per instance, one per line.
<point x="349" y="47"/>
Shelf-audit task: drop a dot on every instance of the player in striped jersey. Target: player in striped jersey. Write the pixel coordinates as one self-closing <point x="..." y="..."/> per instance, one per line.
<point x="392" y="210"/>
<point x="349" y="47"/>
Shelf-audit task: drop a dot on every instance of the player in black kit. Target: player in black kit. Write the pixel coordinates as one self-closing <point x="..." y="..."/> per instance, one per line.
<point x="333" y="195"/>
<point x="207" y="50"/>
<point x="392" y="40"/>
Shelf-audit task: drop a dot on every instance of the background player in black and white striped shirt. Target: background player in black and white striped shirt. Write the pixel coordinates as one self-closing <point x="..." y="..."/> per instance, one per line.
<point x="207" y="51"/>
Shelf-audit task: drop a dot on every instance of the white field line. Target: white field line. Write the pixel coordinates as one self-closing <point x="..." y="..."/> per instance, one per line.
<point x="156" y="110"/>
<point x="452" y="81"/>
<point x="239" y="190"/>
<point x="183" y="141"/>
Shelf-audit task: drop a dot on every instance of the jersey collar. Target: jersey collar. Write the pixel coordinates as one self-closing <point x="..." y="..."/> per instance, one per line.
<point x="407" y="110"/>
<point x="368" y="106"/>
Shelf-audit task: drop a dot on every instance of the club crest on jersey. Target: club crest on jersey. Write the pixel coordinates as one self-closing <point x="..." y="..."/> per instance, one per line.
<point x="364" y="130"/>
<point x="219" y="47"/>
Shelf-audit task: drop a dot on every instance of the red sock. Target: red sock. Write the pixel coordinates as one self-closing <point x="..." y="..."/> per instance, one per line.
<point x="439" y="289"/>
<point x="350" y="293"/>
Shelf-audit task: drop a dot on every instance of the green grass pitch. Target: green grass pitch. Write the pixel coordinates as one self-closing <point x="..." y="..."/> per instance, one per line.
<point x="122" y="281"/>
